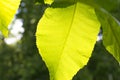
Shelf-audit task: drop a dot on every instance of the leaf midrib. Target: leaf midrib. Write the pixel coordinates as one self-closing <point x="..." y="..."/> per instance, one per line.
<point x="66" y="39"/>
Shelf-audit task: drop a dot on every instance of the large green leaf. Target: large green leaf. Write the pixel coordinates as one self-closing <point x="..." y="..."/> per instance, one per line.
<point x="8" y="9"/>
<point x="66" y="37"/>
<point x="111" y="31"/>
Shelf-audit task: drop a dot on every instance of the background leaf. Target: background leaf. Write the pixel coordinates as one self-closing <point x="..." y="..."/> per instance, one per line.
<point x="8" y="9"/>
<point x="111" y="31"/>
<point x="66" y="38"/>
<point x="108" y="5"/>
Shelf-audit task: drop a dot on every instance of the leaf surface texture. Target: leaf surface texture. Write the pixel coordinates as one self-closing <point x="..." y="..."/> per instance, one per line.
<point x="66" y="37"/>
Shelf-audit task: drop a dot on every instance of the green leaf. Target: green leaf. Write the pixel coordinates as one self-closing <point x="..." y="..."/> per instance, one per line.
<point x="8" y="9"/>
<point x="111" y="31"/>
<point x="108" y="5"/>
<point x="66" y="37"/>
<point x="48" y="1"/>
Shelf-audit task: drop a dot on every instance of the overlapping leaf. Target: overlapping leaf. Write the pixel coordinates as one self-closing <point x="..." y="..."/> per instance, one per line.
<point x="111" y="31"/>
<point x="66" y="37"/>
<point x="108" y="5"/>
<point x="8" y="9"/>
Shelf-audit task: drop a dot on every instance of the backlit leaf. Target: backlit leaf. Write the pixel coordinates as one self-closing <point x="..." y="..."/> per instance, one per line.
<point x="66" y="37"/>
<point x="48" y="1"/>
<point x="8" y="9"/>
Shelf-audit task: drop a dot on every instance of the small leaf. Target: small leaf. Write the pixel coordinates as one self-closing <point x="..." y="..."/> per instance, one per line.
<point x="8" y="9"/>
<point x="48" y="1"/>
<point x="66" y="37"/>
<point x="111" y="31"/>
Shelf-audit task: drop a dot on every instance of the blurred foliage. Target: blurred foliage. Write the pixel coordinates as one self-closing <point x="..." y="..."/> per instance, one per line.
<point x="101" y="66"/>
<point x="22" y="61"/>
